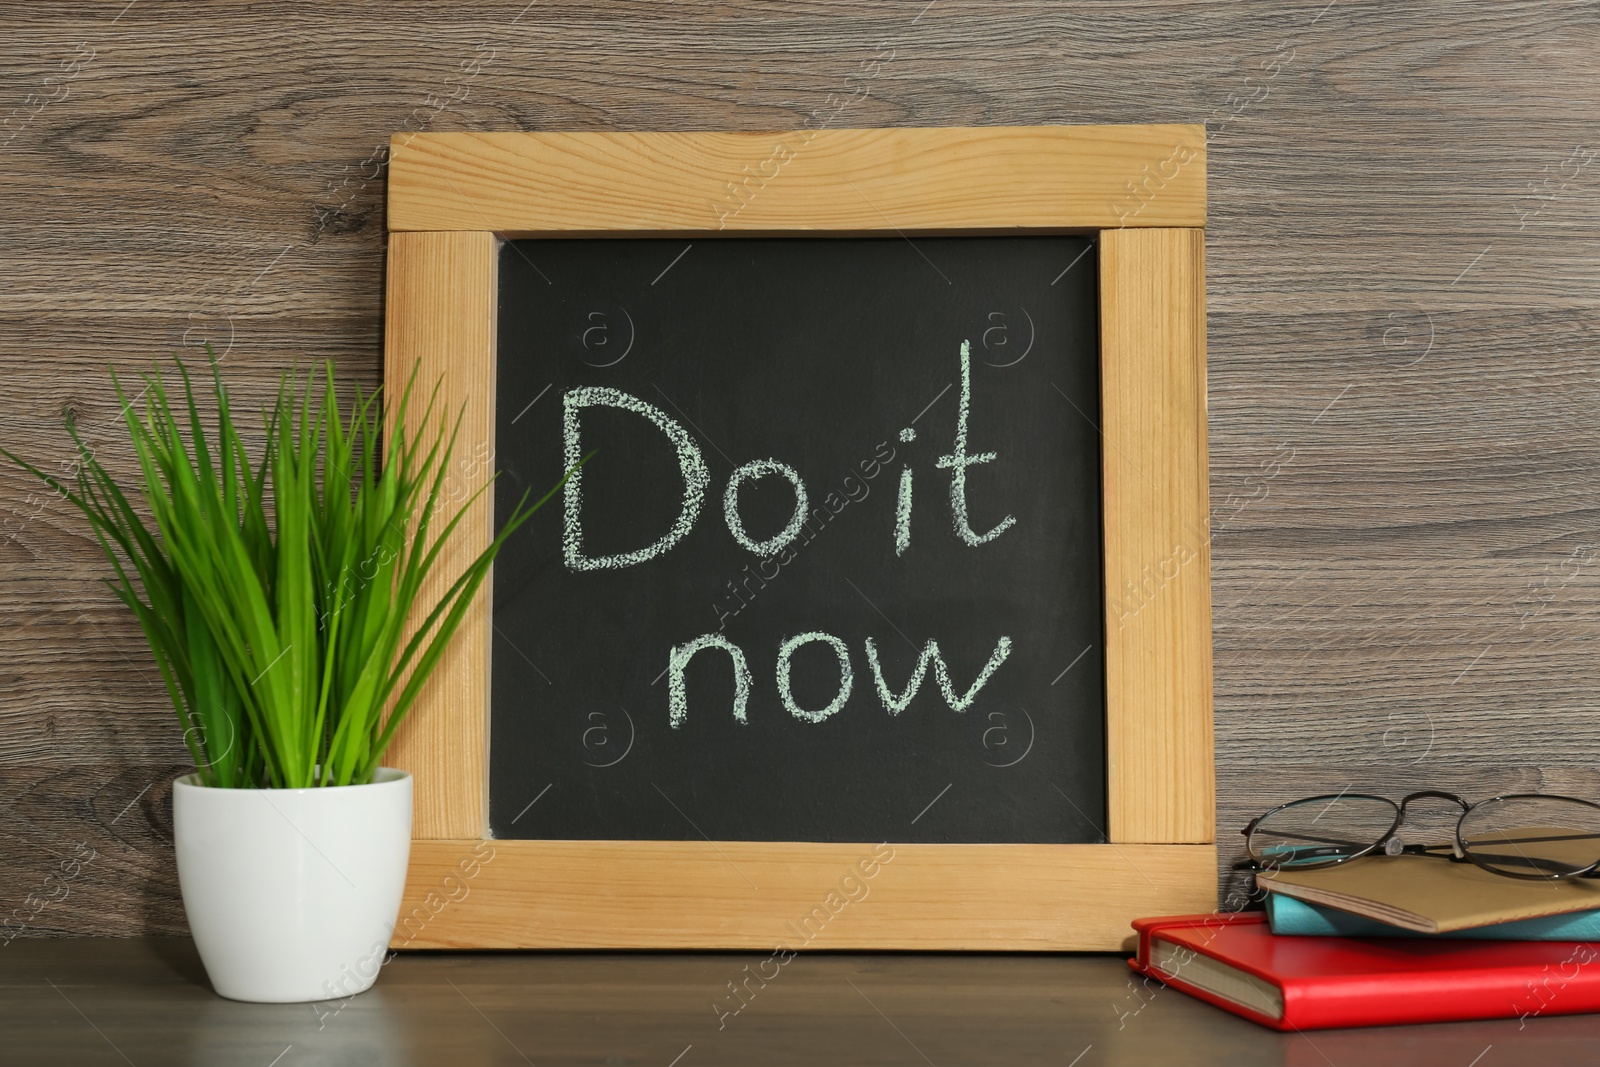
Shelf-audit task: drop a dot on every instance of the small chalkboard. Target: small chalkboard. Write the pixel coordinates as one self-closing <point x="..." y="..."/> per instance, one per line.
<point x="832" y="572"/>
<point x="959" y="697"/>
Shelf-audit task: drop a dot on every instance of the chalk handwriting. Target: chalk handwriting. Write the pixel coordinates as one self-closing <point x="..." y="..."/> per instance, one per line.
<point x="958" y="461"/>
<point x="730" y="506"/>
<point x="894" y="704"/>
<point x="690" y="462"/>
<point x="677" y="688"/>
<point x="846" y="675"/>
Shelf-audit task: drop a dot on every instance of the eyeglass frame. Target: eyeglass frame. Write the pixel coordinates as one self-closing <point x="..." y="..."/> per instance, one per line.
<point x="1459" y="853"/>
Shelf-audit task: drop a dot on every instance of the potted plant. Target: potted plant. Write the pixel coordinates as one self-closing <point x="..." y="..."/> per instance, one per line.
<point x="276" y="597"/>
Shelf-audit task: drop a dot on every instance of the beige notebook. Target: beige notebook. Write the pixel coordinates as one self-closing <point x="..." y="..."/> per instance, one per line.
<point x="1431" y="895"/>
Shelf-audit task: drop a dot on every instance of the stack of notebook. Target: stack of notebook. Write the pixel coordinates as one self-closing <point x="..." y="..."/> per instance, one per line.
<point x="1384" y="940"/>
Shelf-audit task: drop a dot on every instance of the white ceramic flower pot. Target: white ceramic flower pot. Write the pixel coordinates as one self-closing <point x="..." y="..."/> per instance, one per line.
<point x="292" y="894"/>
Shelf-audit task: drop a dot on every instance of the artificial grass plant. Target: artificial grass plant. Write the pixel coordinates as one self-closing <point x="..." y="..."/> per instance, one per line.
<point x="283" y="642"/>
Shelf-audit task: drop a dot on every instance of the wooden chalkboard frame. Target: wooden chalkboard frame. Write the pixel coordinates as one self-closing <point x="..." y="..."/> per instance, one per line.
<point x="453" y="196"/>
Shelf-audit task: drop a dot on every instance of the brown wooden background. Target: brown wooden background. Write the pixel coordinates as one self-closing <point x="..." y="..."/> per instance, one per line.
<point x="1404" y="271"/>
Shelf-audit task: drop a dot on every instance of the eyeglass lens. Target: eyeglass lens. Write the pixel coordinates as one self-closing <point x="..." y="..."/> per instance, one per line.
<point x="1320" y="831"/>
<point x="1533" y="836"/>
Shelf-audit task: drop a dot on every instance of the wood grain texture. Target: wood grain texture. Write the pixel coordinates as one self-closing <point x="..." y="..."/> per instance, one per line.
<point x="1402" y="260"/>
<point x="1157" y="547"/>
<point x="82" y="1002"/>
<point x="1047" y="178"/>
<point x="88" y="847"/>
<point x="810" y="895"/>
<point x="440" y="327"/>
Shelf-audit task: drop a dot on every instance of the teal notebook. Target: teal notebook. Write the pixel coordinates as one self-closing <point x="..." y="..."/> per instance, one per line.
<point x="1290" y="916"/>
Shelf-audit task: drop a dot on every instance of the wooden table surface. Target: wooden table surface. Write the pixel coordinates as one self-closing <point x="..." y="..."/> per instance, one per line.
<point x="145" y="1001"/>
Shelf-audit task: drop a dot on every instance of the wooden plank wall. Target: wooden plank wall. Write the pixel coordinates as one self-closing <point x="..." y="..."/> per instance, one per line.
<point x="1403" y="265"/>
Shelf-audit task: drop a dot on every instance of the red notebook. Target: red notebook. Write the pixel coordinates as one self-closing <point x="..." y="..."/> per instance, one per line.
<point x="1307" y="983"/>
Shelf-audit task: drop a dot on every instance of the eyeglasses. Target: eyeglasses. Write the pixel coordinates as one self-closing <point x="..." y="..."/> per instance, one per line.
<point x="1525" y="835"/>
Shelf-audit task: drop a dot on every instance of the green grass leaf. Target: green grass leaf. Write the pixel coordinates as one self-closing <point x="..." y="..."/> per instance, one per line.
<point x="275" y="595"/>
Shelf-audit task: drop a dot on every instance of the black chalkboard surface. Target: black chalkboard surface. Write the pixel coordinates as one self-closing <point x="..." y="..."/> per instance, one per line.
<point x="679" y="653"/>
